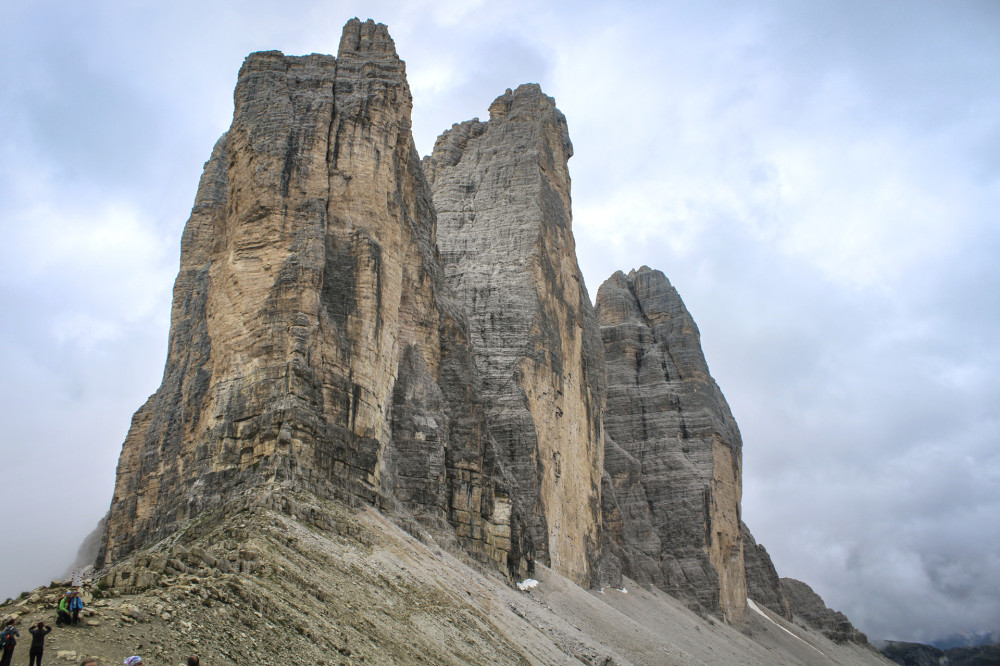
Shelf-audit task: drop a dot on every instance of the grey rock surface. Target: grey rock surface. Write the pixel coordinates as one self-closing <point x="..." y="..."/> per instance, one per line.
<point x="502" y="195"/>
<point x="673" y="451"/>
<point x="763" y="584"/>
<point x="809" y="606"/>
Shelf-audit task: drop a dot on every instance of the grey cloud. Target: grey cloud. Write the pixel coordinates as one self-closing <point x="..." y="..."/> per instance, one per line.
<point x="868" y="409"/>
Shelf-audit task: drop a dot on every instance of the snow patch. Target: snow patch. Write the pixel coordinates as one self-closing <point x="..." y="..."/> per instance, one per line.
<point x="527" y="584"/>
<point x="757" y="609"/>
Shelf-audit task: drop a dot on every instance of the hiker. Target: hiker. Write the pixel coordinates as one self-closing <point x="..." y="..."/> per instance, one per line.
<point x="133" y="661"/>
<point x="62" y="615"/>
<point x="38" y="633"/>
<point x="8" y="638"/>
<point x="194" y="661"/>
<point x="75" y="606"/>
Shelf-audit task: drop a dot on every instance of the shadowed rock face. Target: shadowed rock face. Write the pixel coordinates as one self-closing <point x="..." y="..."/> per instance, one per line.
<point x="763" y="584"/>
<point x="809" y="606"/>
<point x="502" y="194"/>
<point x="673" y="454"/>
<point x="312" y="339"/>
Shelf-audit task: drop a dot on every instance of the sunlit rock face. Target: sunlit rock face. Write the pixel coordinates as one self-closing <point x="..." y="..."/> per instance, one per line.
<point x="416" y="336"/>
<point x="674" y="451"/>
<point x="312" y="338"/>
<point x="502" y="195"/>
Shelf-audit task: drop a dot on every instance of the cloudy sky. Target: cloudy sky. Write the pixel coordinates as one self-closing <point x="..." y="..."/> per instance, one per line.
<point x="820" y="181"/>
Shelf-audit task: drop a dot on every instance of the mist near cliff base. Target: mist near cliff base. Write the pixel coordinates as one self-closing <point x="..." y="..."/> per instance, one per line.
<point x="820" y="182"/>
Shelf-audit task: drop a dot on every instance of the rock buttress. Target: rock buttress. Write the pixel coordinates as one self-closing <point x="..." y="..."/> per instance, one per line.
<point x="502" y="194"/>
<point x="673" y="454"/>
<point x="763" y="584"/>
<point x="312" y="337"/>
<point x="809" y="606"/>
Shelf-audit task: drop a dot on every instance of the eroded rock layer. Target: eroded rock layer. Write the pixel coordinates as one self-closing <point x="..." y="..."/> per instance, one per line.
<point x="673" y="453"/>
<point x="502" y="195"/>
<point x="311" y="333"/>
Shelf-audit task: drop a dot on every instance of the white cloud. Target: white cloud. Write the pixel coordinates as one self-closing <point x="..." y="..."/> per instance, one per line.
<point x="820" y="182"/>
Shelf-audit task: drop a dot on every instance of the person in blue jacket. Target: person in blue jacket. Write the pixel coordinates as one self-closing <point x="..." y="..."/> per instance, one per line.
<point x="75" y="606"/>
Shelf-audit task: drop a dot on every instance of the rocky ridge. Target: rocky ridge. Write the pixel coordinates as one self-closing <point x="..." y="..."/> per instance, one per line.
<point x="808" y="605"/>
<point x="353" y="327"/>
<point x="283" y="576"/>
<point x="918" y="654"/>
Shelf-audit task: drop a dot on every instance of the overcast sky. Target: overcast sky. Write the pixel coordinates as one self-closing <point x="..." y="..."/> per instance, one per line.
<point x="819" y="180"/>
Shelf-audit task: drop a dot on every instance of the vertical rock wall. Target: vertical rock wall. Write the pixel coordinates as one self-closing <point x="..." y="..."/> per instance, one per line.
<point x="674" y="452"/>
<point x="329" y="329"/>
<point x="502" y="194"/>
<point x="312" y="335"/>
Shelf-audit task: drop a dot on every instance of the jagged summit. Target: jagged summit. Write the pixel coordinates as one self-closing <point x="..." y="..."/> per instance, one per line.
<point x="354" y="329"/>
<point x="312" y="338"/>
<point x="674" y="451"/>
<point x="502" y="196"/>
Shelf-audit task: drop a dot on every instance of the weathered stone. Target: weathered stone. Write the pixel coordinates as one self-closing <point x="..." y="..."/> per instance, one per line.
<point x="312" y="338"/>
<point x="502" y="194"/>
<point x="332" y="336"/>
<point x="673" y="451"/>
<point x="809" y="606"/>
<point x="763" y="584"/>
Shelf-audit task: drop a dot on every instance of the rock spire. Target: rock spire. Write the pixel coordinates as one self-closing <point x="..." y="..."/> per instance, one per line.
<point x="502" y="194"/>
<point x="312" y="338"/>
<point x="674" y="451"/>
<point x="352" y="323"/>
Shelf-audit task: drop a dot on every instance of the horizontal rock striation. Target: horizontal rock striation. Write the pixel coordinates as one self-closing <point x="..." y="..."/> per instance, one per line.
<point x="502" y="195"/>
<point x="673" y="454"/>
<point x="349" y="322"/>
<point x="311" y="335"/>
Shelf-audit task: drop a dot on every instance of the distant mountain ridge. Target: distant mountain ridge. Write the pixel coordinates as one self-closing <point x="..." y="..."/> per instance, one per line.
<point x="918" y="654"/>
<point x="970" y="639"/>
<point x="362" y="326"/>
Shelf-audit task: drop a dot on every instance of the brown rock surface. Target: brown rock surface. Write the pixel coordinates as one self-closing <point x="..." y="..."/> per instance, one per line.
<point x="311" y="331"/>
<point x="502" y="194"/>
<point x="674" y="451"/>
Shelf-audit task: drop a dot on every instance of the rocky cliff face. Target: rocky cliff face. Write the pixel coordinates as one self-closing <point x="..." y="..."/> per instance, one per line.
<point x="763" y="584"/>
<point x="502" y="194"/>
<point x="351" y="324"/>
<point x="809" y="606"/>
<point x="674" y="451"/>
<point x="311" y="337"/>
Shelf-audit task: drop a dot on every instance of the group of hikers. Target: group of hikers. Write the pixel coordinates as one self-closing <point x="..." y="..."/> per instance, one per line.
<point x="68" y="612"/>
<point x="69" y="608"/>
